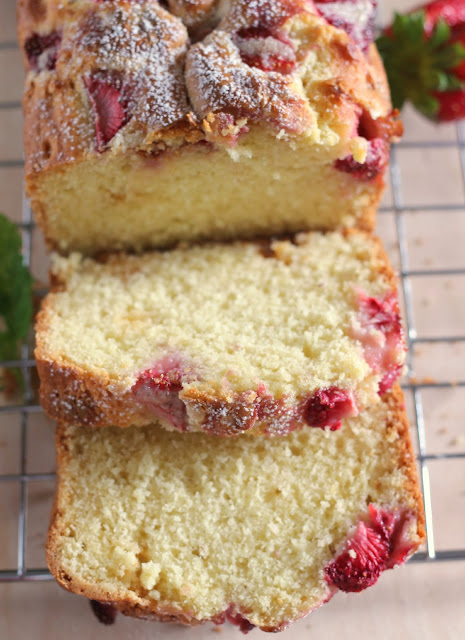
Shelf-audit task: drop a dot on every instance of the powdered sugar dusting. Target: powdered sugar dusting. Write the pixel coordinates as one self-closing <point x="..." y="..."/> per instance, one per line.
<point x="268" y="14"/>
<point x="193" y="12"/>
<point x="62" y="129"/>
<point x="357" y="17"/>
<point x="267" y="46"/>
<point x="218" y="80"/>
<point x="145" y="43"/>
<point x="225" y="79"/>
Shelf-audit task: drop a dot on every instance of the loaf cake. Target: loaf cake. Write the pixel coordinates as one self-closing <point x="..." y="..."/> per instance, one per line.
<point x="222" y="338"/>
<point x="149" y="123"/>
<point x="256" y="531"/>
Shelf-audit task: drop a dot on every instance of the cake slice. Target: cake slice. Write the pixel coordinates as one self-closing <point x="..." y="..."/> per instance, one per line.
<point x="256" y="531"/>
<point x="147" y="123"/>
<point x="267" y="337"/>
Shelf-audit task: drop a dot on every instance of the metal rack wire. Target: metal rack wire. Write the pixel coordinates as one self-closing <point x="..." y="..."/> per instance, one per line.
<point x="407" y="278"/>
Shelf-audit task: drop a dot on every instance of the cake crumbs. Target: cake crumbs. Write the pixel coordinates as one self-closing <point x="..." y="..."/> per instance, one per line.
<point x="420" y="381"/>
<point x="457" y="441"/>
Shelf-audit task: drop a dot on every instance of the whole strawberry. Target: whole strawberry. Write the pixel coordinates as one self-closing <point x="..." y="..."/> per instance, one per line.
<point x="424" y="55"/>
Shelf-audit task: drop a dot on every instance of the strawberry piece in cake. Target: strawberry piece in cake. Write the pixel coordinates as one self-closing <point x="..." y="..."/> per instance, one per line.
<point x="158" y="389"/>
<point x="376" y="133"/>
<point x="356" y="17"/>
<point x="268" y="50"/>
<point x="108" y="108"/>
<point x="328" y="407"/>
<point x="380" y="330"/>
<point x="379" y="543"/>
<point x="42" y="51"/>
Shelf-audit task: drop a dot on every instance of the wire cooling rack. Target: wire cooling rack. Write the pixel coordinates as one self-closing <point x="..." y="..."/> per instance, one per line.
<point x="22" y="411"/>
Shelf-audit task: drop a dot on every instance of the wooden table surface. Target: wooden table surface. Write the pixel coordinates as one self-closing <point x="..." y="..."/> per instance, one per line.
<point x="420" y="601"/>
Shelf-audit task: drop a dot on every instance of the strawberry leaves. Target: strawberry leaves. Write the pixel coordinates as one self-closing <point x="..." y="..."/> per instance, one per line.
<point x="420" y="66"/>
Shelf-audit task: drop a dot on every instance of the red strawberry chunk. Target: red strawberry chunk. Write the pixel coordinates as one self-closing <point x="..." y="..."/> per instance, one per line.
<point x="381" y="335"/>
<point x="239" y="621"/>
<point x="156" y="381"/>
<point x="393" y="373"/>
<point x="104" y="611"/>
<point x="378" y="132"/>
<point x="381" y="314"/>
<point x="379" y="543"/>
<point x="376" y="161"/>
<point x="328" y="407"/>
<point x="158" y="389"/>
<point x="42" y="51"/>
<point x="268" y="50"/>
<point x="107" y="104"/>
<point x="356" y="17"/>
<point x="360" y="565"/>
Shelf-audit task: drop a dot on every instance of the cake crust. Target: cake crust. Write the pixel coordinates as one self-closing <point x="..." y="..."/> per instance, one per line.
<point x="134" y="604"/>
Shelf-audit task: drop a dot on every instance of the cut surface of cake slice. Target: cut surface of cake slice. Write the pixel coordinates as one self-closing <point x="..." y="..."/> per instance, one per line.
<point x="222" y="338"/>
<point x="146" y="125"/>
<point x="256" y="531"/>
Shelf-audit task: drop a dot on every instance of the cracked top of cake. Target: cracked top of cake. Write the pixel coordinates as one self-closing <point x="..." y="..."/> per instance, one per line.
<point x="115" y="75"/>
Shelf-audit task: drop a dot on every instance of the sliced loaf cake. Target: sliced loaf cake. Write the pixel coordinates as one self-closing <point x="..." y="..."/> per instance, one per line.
<point x="222" y="338"/>
<point x="257" y="531"/>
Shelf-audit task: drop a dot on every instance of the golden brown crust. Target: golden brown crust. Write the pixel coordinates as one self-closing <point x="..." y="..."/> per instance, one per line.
<point x="194" y="13"/>
<point x="57" y="107"/>
<point x="136" y="46"/>
<point x="367" y="219"/>
<point x="131" y="604"/>
<point x="398" y="423"/>
<point x="70" y="394"/>
<point x="380" y="257"/>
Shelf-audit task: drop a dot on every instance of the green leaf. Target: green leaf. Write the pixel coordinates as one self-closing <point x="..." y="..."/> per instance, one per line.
<point x="418" y="65"/>
<point x="428" y="105"/>
<point x="15" y="291"/>
<point x="410" y="26"/>
<point x="454" y="83"/>
<point x="440" y="35"/>
<point x="441" y="82"/>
